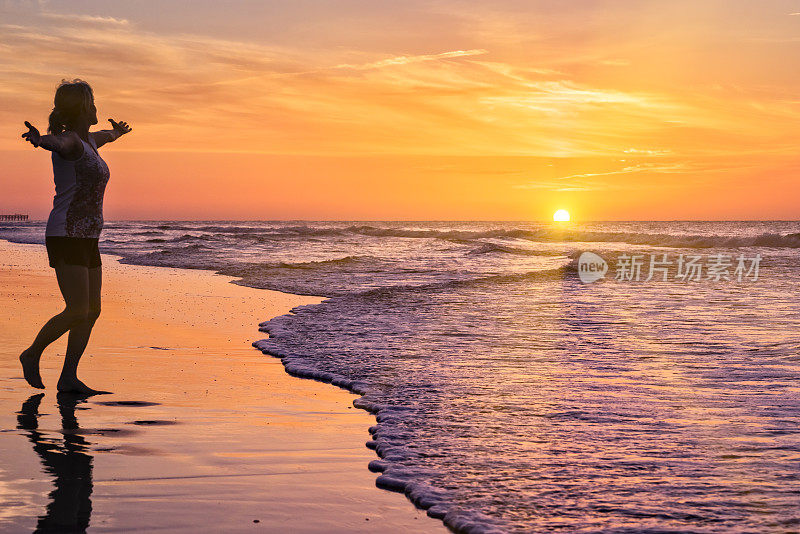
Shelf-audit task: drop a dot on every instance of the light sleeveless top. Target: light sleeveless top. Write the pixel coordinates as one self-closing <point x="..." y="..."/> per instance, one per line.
<point x="80" y="186"/>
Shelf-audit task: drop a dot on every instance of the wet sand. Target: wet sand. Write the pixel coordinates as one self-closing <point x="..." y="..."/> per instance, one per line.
<point x="202" y="433"/>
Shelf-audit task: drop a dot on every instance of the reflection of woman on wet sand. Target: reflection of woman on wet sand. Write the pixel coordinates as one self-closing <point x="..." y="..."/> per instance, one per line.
<point x="70" y="505"/>
<point x="73" y="227"/>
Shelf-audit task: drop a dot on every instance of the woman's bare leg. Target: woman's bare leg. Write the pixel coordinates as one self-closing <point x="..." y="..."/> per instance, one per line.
<point x="73" y="281"/>
<point x="79" y="338"/>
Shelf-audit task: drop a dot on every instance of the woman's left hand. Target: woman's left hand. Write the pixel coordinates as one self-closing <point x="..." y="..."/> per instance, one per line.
<point x="120" y="127"/>
<point x="32" y="135"/>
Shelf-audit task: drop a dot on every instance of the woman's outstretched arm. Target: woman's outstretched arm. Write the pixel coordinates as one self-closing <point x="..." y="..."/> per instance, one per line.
<point x="107" y="136"/>
<point x="67" y="145"/>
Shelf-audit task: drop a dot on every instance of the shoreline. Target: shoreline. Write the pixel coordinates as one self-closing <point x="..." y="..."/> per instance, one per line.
<point x="201" y="429"/>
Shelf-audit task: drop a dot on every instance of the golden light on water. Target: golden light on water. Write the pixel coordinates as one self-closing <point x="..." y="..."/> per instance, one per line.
<point x="561" y="216"/>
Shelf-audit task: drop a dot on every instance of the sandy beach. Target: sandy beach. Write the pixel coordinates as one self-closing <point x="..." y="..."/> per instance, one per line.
<point x="202" y="432"/>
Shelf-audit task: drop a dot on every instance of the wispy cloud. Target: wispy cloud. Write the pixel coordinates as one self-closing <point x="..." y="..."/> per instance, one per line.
<point x="589" y="182"/>
<point x="640" y="176"/>
<point x="656" y="168"/>
<point x="90" y="19"/>
<point x="405" y="60"/>
<point x="647" y="151"/>
<point x="597" y="181"/>
<point x="615" y="62"/>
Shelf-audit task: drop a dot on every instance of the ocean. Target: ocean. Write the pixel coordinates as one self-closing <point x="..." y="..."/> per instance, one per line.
<point x="520" y="385"/>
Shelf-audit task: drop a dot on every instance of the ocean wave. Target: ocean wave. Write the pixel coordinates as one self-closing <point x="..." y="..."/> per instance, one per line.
<point x="479" y="280"/>
<point x="146" y="232"/>
<point x="472" y="237"/>
<point x="184" y="257"/>
<point x="566" y="235"/>
<point x="346" y="260"/>
<point x="686" y="241"/>
<point x="250" y="268"/>
<point x="550" y="235"/>
<point x="493" y="248"/>
<point x="180" y="239"/>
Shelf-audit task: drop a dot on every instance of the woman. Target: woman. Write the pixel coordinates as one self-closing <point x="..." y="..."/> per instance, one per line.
<point x="73" y="227"/>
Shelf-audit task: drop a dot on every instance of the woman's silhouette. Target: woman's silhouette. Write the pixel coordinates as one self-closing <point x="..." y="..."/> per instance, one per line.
<point x="73" y="227"/>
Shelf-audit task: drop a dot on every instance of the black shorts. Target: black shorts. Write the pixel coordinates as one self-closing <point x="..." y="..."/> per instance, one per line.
<point x="73" y="251"/>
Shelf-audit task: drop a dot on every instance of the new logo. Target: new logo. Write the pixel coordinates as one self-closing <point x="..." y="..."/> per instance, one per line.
<point x="591" y="267"/>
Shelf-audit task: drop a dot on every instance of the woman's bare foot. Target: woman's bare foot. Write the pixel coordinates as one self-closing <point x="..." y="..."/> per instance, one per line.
<point x="30" y="368"/>
<point x="73" y="385"/>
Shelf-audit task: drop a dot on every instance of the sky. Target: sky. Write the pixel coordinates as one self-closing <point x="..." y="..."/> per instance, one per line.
<point x="416" y="110"/>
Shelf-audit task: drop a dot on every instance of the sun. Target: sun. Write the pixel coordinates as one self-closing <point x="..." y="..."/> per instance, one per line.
<point x="561" y="216"/>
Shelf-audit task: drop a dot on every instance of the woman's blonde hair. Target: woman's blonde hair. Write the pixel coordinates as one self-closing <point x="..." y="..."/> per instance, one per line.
<point x="72" y="101"/>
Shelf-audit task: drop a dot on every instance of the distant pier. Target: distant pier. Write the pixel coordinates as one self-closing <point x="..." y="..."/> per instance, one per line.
<point x="14" y="217"/>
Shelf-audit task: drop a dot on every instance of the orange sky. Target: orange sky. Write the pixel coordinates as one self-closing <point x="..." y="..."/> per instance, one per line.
<point x="425" y="110"/>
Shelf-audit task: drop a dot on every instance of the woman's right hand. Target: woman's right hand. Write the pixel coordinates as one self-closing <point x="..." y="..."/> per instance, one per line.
<point x="32" y="135"/>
